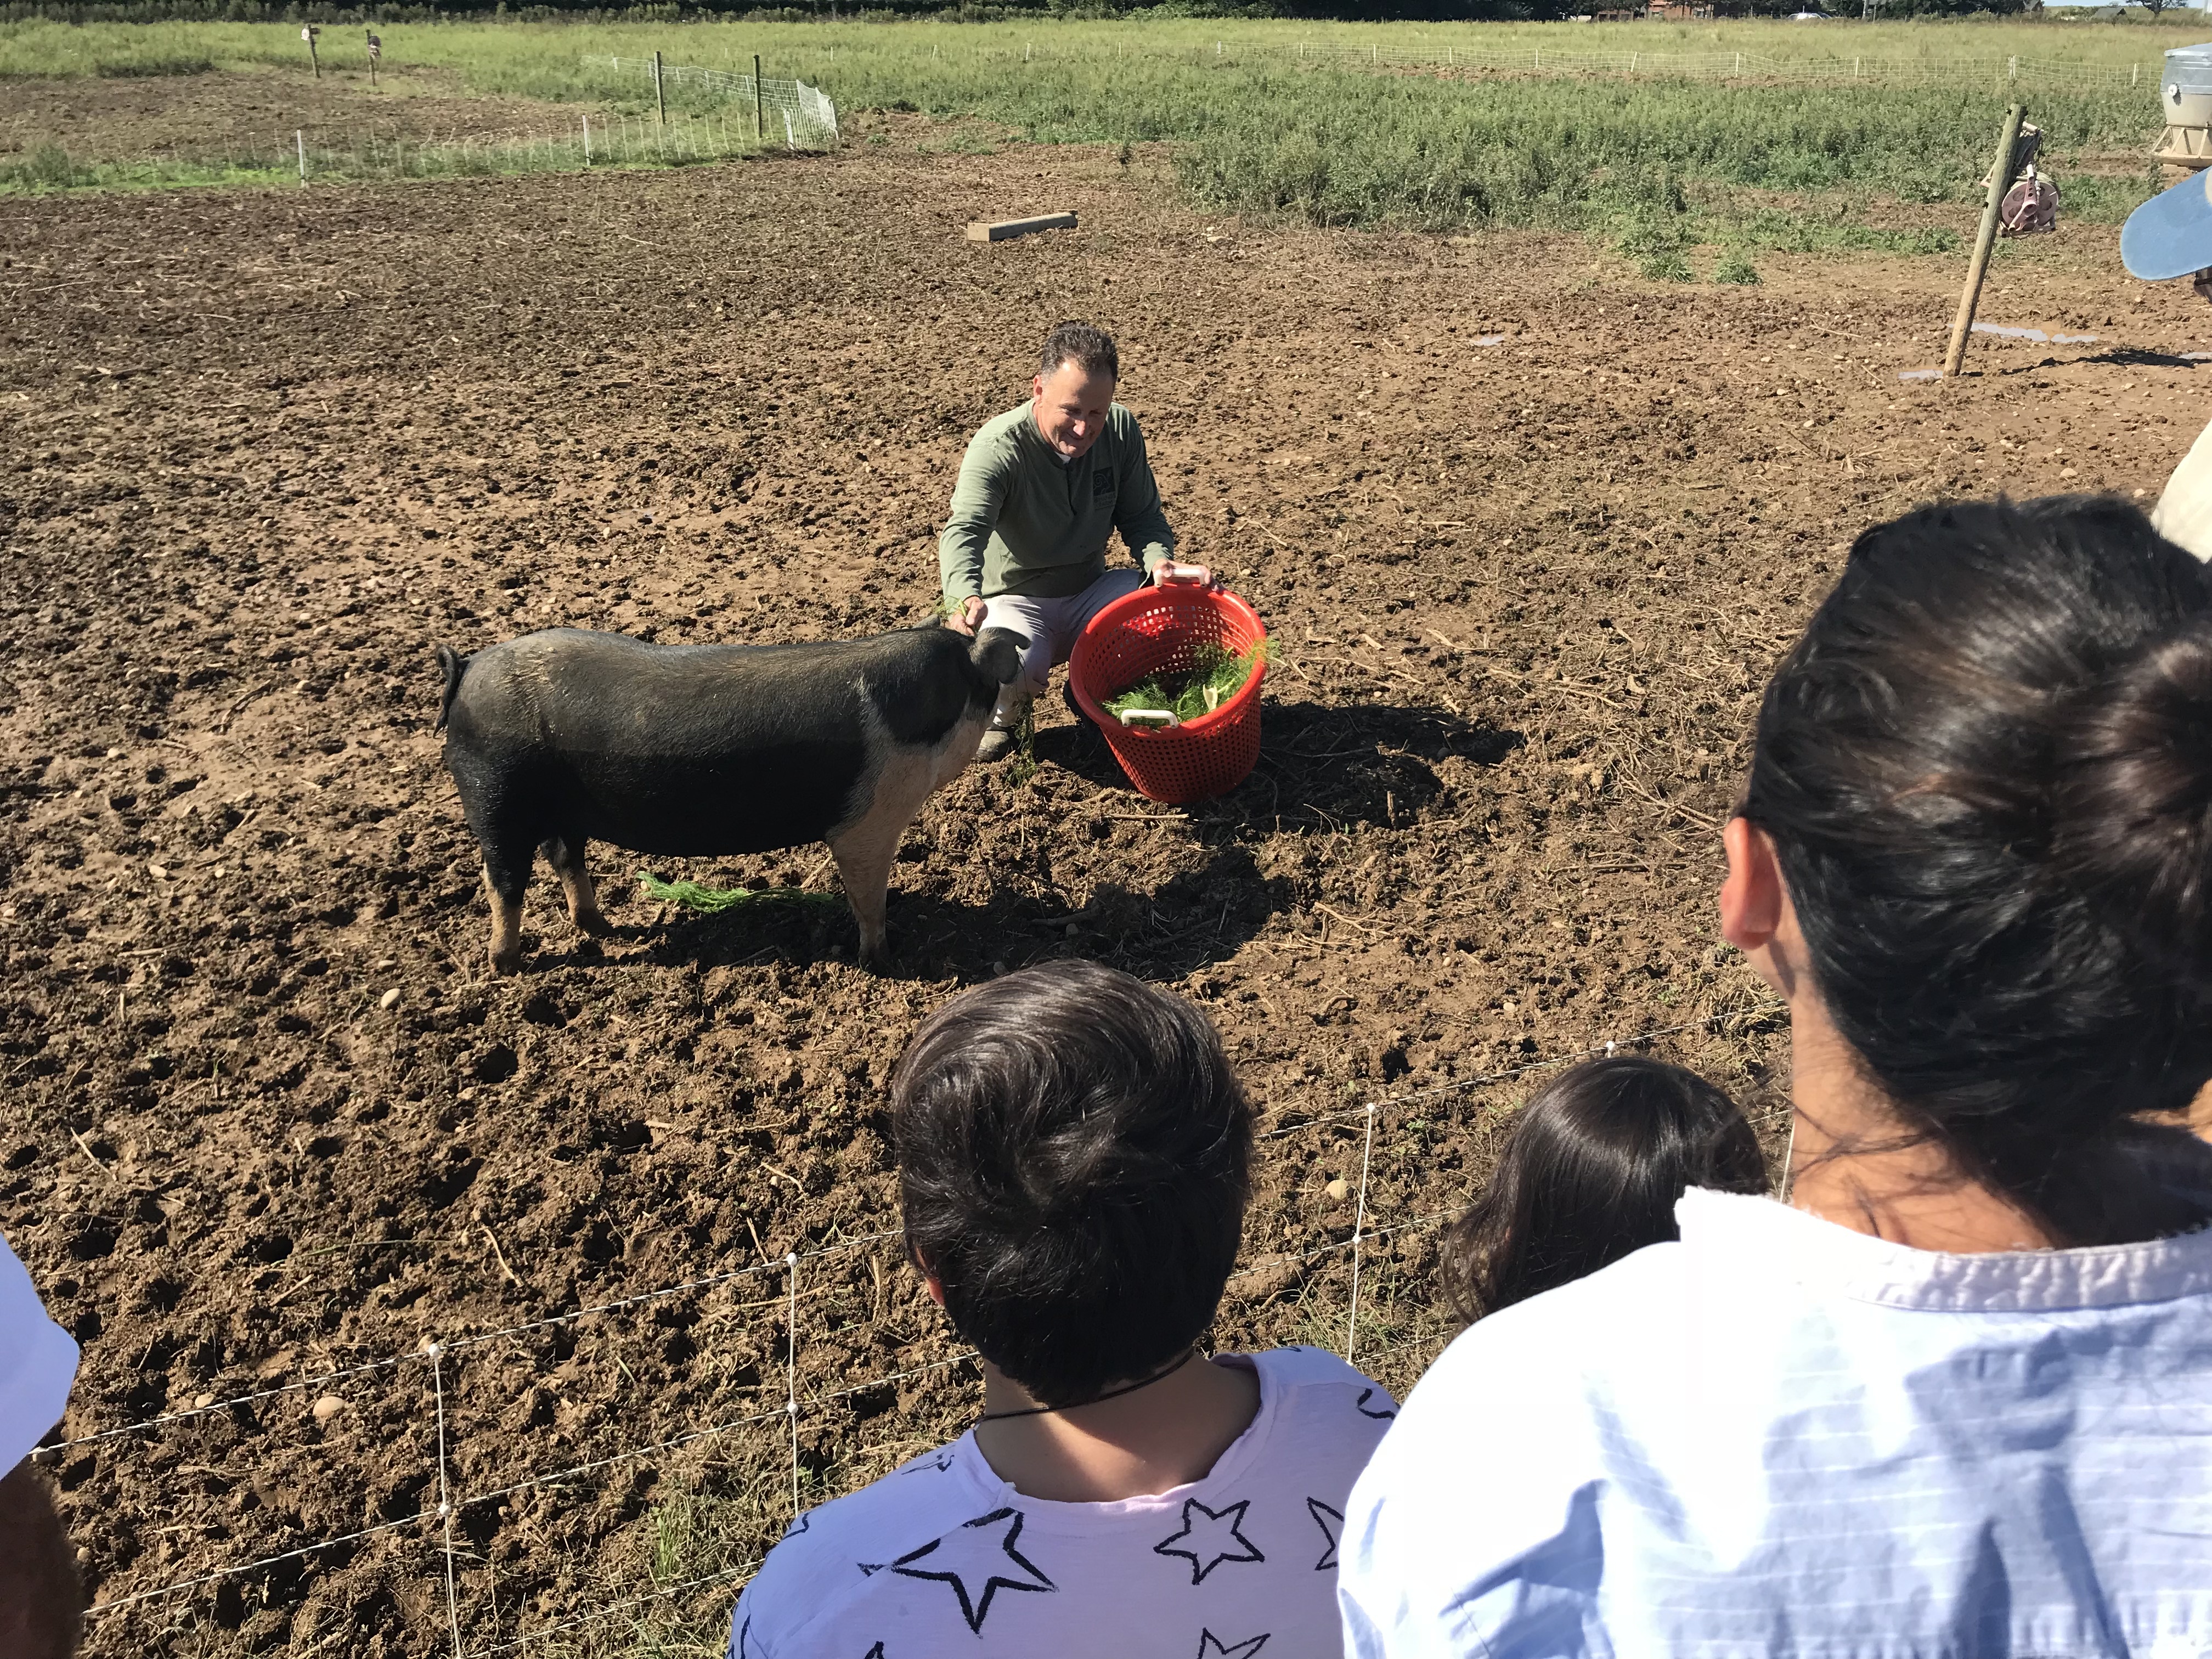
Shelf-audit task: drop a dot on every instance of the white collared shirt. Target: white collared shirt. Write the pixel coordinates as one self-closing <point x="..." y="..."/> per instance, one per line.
<point x="1779" y="1436"/>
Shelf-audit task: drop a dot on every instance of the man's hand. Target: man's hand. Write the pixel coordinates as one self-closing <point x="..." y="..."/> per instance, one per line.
<point x="968" y="618"/>
<point x="1167" y="574"/>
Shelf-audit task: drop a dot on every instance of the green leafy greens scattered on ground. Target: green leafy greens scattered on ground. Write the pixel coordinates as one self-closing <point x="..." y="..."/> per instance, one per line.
<point x="1215" y="676"/>
<point x="715" y="900"/>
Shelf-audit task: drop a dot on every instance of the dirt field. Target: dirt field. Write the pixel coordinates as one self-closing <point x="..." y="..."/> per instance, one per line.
<point x="268" y="1114"/>
<point x="132" y="118"/>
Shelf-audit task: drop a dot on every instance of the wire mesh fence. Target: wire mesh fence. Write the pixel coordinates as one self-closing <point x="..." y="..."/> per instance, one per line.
<point x="475" y="1478"/>
<point x="808" y="119"/>
<point x="317" y="154"/>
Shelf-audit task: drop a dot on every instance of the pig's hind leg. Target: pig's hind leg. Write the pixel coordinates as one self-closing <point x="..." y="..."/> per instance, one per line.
<point x="565" y="852"/>
<point x="504" y="881"/>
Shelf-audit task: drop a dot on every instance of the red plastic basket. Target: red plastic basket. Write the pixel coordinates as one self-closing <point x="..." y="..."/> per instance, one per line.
<point x="1158" y="631"/>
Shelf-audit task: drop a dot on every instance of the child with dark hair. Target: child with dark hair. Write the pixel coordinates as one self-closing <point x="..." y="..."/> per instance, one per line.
<point x="1590" y="1173"/>
<point x="1074" y="1156"/>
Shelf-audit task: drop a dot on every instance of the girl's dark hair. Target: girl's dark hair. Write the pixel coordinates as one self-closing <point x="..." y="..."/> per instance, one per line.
<point x="1591" y="1173"/>
<point x="1074" y="1156"/>
<point x="1987" y="772"/>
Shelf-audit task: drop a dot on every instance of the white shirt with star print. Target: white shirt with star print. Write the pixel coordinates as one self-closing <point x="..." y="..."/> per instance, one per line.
<point x="941" y="1557"/>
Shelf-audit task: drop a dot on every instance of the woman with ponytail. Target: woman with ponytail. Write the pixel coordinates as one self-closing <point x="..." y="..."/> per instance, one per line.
<point x="1955" y="1397"/>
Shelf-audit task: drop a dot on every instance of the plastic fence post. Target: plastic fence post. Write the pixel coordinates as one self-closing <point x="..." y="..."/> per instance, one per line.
<point x="1358" y="1226"/>
<point x="300" y="145"/>
<point x="445" y="1510"/>
<point x="587" y="140"/>
<point x="790" y="1378"/>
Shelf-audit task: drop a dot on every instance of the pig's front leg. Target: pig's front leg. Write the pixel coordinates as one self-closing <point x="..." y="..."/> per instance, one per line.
<point x="864" y="855"/>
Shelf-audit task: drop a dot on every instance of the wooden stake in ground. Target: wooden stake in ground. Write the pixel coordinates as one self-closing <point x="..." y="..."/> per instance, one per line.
<point x="659" y="95"/>
<point x="760" y="116"/>
<point x="308" y="34"/>
<point x="375" y="51"/>
<point x="2000" y="181"/>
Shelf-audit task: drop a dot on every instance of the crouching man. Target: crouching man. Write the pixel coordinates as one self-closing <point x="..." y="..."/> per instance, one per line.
<point x="1041" y="489"/>
<point x="1074" y="1157"/>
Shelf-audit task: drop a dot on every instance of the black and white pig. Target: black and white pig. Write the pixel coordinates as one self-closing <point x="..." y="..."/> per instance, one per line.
<point x="565" y="737"/>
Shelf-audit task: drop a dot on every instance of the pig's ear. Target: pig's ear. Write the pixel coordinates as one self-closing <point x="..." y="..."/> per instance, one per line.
<point x="997" y="654"/>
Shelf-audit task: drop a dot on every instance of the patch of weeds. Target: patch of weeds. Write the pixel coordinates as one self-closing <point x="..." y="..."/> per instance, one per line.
<point x="1735" y="267"/>
<point x="47" y="167"/>
<point x="1839" y="231"/>
<point x="1658" y="246"/>
<point x="1023" y="766"/>
<point x="182" y="63"/>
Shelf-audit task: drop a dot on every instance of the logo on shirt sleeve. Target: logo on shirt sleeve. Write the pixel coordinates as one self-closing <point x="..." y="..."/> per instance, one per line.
<point x="1209" y="1537"/>
<point x="1101" y="482"/>
<point x="974" y="1558"/>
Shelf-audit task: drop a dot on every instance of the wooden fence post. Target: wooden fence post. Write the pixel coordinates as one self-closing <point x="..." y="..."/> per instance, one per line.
<point x="760" y="119"/>
<point x="2000" y="182"/>
<point x="308" y="34"/>
<point x="660" y="93"/>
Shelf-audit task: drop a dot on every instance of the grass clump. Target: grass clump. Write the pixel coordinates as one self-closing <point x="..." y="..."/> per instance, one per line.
<point x="1216" y="675"/>
<point x="712" y="901"/>
<point x="1735" y="268"/>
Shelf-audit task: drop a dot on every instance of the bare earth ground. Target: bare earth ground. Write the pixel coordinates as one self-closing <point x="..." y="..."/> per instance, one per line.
<point x="132" y="118"/>
<point x="268" y="1114"/>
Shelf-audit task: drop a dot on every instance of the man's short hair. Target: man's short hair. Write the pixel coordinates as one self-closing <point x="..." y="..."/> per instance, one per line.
<point x="1090" y="347"/>
<point x="1074" y="1159"/>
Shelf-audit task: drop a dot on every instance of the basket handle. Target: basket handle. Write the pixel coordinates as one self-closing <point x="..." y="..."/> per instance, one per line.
<point x="1162" y="717"/>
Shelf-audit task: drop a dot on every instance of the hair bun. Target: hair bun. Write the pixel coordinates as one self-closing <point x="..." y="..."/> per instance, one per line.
<point x="2132" y="807"/>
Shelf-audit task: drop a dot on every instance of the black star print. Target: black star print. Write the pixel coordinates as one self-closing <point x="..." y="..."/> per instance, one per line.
<point x="800" y="1525"/>
<point x="1366" y="1394"/>
<point x="1323" y="1516"/>
<point x="1209" y="1643"/>
<point x="1208" y="1552"/>
<point x="875" y="1652"/>
<point x="939" y="1463"/>
<point x="967" y="1554"/>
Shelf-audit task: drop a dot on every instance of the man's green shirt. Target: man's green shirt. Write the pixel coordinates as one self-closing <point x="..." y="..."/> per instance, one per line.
<point x="1024" y="523"/>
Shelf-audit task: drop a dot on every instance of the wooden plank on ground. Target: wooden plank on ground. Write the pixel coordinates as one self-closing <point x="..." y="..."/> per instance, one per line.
<point x="989" y="231"/>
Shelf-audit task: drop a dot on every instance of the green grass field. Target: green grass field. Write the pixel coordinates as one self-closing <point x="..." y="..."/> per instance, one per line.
<point x="1287" y="121"/>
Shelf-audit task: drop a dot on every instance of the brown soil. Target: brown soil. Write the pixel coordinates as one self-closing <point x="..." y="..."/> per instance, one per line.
<point x="262" y="452"/>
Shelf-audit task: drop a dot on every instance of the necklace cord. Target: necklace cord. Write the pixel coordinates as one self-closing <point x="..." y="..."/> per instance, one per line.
<point x="1160" y="1376"/>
